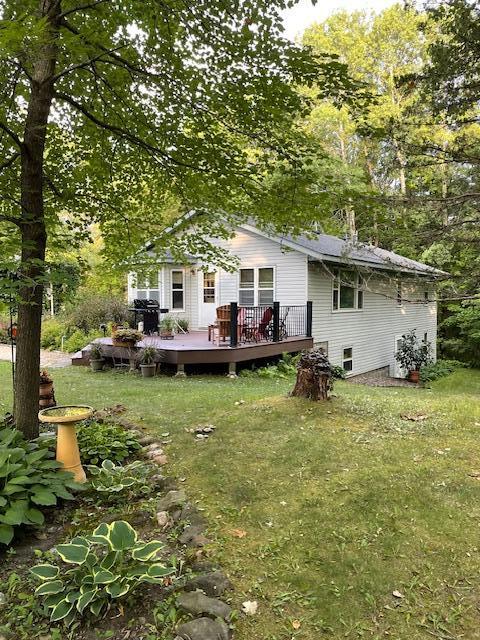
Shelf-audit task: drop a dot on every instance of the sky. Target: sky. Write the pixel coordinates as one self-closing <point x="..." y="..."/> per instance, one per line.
<point x="304" y="13"/>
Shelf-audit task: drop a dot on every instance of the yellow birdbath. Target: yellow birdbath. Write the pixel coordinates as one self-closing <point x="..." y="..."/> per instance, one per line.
<point x="67" y="446"/>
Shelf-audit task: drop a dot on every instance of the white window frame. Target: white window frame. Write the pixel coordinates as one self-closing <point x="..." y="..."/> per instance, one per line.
<point x="358" y="286"/>
<point x="177" y="310"/>
<point x="148" y="289"/>
<point x="399" y="293"/>
<point x="256" y="284"/>
<point x="347" y="346"/>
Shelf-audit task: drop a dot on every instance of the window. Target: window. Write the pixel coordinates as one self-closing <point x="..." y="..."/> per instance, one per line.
<point x="426" y="296"/>
<point x="425" y="337"/>
<point x="256" y="286"/>
<point x="347" y="291"/>
<point x="209" y="288"/>
<point x="178" y="290"/>
<point x="147" y="287"/>
<point x="347" y="360"/>
<point x="399" y="294"/>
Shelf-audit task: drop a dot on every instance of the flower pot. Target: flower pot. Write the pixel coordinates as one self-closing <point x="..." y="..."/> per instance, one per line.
<point x="123" y="343"/>
<point x="148" y="370"/>
<point x="46" y="389"/>
<point x="414" y="375"/>
<point x="166" y="335"/>
<point x="97" y="365"/>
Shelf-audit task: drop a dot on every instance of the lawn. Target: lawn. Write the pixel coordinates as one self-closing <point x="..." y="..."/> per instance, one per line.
<point x="342" y="520"/>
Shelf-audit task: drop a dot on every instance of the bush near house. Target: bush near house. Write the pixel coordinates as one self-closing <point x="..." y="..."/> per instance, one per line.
<point x="439" y="369"/>
<point x="460" y="333"/>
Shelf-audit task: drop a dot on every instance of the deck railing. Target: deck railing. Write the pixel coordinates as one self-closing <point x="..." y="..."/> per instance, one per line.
<point x="269" y="323"/>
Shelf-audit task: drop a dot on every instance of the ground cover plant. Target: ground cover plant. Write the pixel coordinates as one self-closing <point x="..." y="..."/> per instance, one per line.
<point x="341" y="520"/>
<point x="99" y="441"/>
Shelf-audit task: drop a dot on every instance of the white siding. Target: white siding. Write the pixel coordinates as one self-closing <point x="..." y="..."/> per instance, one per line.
<point x="370" y="331"/>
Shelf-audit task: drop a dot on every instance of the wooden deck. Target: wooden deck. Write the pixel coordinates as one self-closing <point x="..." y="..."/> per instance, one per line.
<point x="195" y="348"/>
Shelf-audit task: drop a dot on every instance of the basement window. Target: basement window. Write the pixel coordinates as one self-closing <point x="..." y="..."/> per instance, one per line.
<point x="347" y="360"/>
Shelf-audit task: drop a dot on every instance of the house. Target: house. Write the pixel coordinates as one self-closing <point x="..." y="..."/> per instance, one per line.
<point x="363" y="298"/>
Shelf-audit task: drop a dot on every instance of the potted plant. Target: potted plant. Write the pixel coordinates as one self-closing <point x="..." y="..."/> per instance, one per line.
<point x="96" y="357"/>
<point x="126" y="337"/>
<point x="47" y="398"/>
<point x="166" y="328"/>
<point x="148" y="365"/>
<point x="412" y="355"/>
<point x="183" y="324"/>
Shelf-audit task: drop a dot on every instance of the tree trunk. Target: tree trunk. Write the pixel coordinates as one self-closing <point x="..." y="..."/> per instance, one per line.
<point x="33" y="231"/>
<point x="312" y="386"/>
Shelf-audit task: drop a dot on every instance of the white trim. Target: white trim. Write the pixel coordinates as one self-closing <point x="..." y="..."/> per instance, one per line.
<point x="347" y="346"/>
<point x="182" y="310"/>
<point x="356" y="287"/>
<point x="200" y="274"/>
<point x="256" y="288"/>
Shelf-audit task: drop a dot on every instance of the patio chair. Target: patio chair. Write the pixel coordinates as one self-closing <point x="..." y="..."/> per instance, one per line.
<point x="221" y="326"/>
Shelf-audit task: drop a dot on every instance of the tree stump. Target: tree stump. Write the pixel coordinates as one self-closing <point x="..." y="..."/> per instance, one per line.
<point x="314" y="376"/>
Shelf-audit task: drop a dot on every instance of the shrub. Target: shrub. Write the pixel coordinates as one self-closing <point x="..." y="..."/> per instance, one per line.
<point x="460" y="333"/>
<point x="78" y="340"/>
<point x="183" y="323"/>
<point x="96" y="351"/>
<point x="148" y="355"/>
<point x="29" y="479"/>
<point x="285" y="368"/>
<point x="89" y="313"/>
<point x="127" y="336"/>
<point x="105" y="566"/>
<point x="117" y="479"/>
<point x="99" y="441"/>
<point x="338" y="372"/>
<point x="439" y="369"/>
<point x="412" y="354"/>
<point x="52" y="332"/>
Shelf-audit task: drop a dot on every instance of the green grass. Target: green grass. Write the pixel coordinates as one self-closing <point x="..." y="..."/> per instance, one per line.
<point x="342" y="503"/>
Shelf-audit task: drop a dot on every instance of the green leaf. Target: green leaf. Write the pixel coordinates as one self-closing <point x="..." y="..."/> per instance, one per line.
<point x="96" y="607"/>
<point x="108" y="465"/>
<point x="100" y="535"/>
<point x="44" y="497"/>
<point x="61" y="610"/>
<point x="45" y="571"/>
<point x="81" y="540"/>
<point x="104" y="577"/>
<point x="73" y="596"/>
<point x="121" y="535"/>
<point x="6" y="533"/>
<point x="117" y="589"/>
<point x="15" y="514"/>
<point x="110" y="559"/>
<point x="159" y="571"/>
<point x="49" y="588"/>
<point x="85" y="599"/>
<point x="73" y="553"/>
<point x="53" y="600"/>
<point x="35" y="516"/>
<point x="147" y="551"/>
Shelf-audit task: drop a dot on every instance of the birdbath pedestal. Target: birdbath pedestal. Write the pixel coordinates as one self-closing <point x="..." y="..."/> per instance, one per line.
<point x="65" y="418"/>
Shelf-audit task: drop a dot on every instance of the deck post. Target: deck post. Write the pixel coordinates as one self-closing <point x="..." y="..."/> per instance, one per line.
<point x="232" y="369"/>
<point x="308" y="328"/>
<point x="276" y="321"/>
<point x="233" y="324"/>
<point x="180" y="371"/>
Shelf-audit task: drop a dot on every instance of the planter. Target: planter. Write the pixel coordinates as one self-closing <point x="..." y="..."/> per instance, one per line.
<point x="97" y="365"/>
<point x="166" y="335"/>
<point x="46" y="389"/>
<point x="414" y="375"/>
<point x="67" y="446"/>
<point x="123" y="343"/>
<point x="148" y="370"/>
<point x="46" y="395"/>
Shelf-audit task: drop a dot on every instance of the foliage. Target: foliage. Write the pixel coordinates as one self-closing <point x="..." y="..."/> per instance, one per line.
<point x="78" y="340"/>
<point x="461" y="333"/>
<point x="52" y="332"/>
<point x="167" y="323"/>
<point x="284" y="368"/>
<point x="183" y="323"/>
<point x="128" y="336"/>
<point x="99" y="441"/>
<point x="29" y="480"/>
<point x="411" y="354"/>
<point x="439" y="369"/>
<point x="148" y="355"/>
<point x="338" y="372"/>
<point x="89" y="311"/>
<point x="105" y="567"/>
<point x="121" y="479"/>
<point x="96" y="351"/>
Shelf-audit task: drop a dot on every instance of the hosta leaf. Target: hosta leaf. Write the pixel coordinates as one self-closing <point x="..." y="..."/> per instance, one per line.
<point x="121" y="536"/>
<point x="108" y="465"/>
<point x="20" y="480"/>
<point x="73" y="553"/>
<point x="85" y="599"/>
<point x="45" y="571"/>
<point x="37" y="455"/>
<point x="96" y="607"/>
<point x="81" y="541"/>
<point x="100" y="534"/>
<point x="49" y="588"/>
<point x="15" y="514"/>
<point x="44" y="497"/>
<point x="53" y="600"/>
<point x="9" y="489"/>
<point x="3" y="501"/>
<point x="6" y="533"/>
<point x="63" y="493"/>
<point x="110" y="559"/>
<point x="117" y="589"/>
<point x="147" y="551"/>
<point x="159" y="571"/>
<point x="104" y="577"/>
<point x="35" y="516"/>
<point x="73" y="596"/>
<point x="61" y="610"/>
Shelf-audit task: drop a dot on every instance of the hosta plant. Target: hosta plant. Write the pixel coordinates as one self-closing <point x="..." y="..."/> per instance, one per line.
<point x="29" y="480"/>
<point x="99" y="441"/>
<point x="118" y="479"/>
<point x="103" y="568"/>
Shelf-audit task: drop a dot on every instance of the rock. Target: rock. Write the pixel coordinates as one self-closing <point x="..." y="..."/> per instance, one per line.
<point x="153" y="445"/>
<point x="3" y="599"/>
<point x="139" y="518"/>
<point x="191" y="514"/>
<point x="203" y="629"/>
<point x="193" y="536"/>
<point x="164" y="520"/>
<point x="155" y="452"/>
<point x="160" y="460"/>
<point x="144" y="440"/>
<point x="197" y="602"/>
<point x="158" y="481"/>
<point x="213" y="584"/>
<point x="173" y="500"/>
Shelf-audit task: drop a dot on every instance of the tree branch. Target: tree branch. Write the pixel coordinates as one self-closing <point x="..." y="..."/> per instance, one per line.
<point x="81" y="65"/>
<point x="83" y="7"/>
<point x="8" y="163"/>
<point x="12" y="134"/>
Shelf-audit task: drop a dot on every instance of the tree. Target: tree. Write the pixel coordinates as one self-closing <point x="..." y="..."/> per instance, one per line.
<point x="113" y="110"/>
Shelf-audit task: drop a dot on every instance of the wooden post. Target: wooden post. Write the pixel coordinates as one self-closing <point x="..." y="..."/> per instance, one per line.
<point x="308" y="328"/>
<point x="276" y="321"/>
<point x="233" y="324"/>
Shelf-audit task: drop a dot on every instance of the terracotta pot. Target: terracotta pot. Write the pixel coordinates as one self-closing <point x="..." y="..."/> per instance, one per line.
<point x="123" y="343"/>
<point x="46" y="388"/>
<point x="148" y="370"/>
<point x="414" y="375"/>
<point x="166" y="335"/>
<point x="97" y="365"/>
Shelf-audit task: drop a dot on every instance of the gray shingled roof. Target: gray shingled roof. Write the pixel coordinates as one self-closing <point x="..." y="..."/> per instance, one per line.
<point x="331" y="248"/>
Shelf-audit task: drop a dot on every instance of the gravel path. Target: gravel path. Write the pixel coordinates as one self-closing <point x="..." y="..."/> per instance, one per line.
<point x="52" y="359"/>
